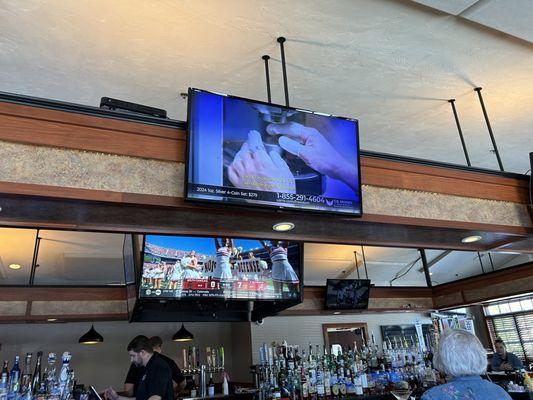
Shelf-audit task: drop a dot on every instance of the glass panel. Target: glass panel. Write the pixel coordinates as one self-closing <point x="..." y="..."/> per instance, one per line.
<point x="493" y="310"/>
<point x="448" y="266"/>
<point x="515" y="306"/>
<point x="385" y="266"/>
<point x="504" y="308"/>
<point x="16" y="251"/>
<point x="80" y="258"/>
<point x="527" y="304"/>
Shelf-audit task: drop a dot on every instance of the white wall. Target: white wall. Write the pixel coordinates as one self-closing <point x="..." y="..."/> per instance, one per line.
<point x="106" y="364"/>
<point x="302" y="330"/>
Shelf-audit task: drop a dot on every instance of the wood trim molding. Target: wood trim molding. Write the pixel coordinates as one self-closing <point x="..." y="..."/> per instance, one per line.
<point x="480" y="281"/>
<point x="40" y="293"/>
<point x="45" y="127"/>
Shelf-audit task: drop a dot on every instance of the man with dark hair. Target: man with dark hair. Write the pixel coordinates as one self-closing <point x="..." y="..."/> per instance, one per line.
<point x="502" y="360"/>
<point x="178" y="380"/>
<point x="155" y="381"/>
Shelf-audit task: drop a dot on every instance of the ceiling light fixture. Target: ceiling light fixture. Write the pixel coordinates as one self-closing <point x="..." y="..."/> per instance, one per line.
<point x="91" y="337"/>
<point x="51" y="319"/>
<point x="283" y="226"/>
<point x="183" y="335"/>
<point x="15" y="266"/>
<point x="431" y="273"/>
<point x="471" y="239"/>
<point x="336" y="313"/>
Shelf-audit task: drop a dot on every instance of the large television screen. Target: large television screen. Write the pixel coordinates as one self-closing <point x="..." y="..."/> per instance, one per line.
<point x="247" y="152"/>
<point x="179" y="267"/>
<point x="347" y="294"/>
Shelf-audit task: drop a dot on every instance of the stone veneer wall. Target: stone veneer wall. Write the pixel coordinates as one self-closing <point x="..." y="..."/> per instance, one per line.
<point x="22" y="163"/>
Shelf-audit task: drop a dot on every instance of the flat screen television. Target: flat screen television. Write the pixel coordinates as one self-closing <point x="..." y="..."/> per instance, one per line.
<point x="189" y="267"/>
<point x="247" y="152"/>
<point x="347" y="294"/>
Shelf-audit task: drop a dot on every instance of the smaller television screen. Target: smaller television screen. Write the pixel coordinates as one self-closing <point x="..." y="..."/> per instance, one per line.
<point x="347" y="294"/>
<point x="180" y="267"/>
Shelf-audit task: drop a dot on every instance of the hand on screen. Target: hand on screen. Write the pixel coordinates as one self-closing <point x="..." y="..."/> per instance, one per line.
<point x="314" y="149"/>
<point x="254" y="168"/>
<point x="110" y="394"/>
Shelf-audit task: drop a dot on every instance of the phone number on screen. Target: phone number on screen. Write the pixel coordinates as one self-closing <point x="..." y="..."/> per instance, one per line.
<point x="303" y="198"/>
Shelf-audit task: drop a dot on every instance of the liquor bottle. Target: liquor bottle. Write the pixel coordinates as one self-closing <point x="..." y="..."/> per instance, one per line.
<point x="211" y="386"/>
<point x="194" y="390"/>
<point x="5" y="368"/>
<point x="14" y="380"/>
<point x="63" y="374"/>
<point x="320" y="389"/>
<point x="52" y="390"/>
<point x="304" y="387"/>
<point x="25" y="380"/>
<point x="3" y="386"/>
<point x="37" y="374"/>
<point x="41" y="391"/>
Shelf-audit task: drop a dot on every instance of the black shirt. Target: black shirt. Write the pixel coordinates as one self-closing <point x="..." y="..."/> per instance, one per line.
<point x="155" y="381"/>
<point x="134" y="373"/>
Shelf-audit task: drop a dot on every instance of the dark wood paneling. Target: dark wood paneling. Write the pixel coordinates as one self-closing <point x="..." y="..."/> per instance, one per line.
<point x="63" y="318"/>
<point x="40" y="126"/>
<point x="25" y="211"/>
<point x="13" y="293"/>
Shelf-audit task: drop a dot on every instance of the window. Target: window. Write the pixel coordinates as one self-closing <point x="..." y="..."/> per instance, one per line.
<point x="512" y="321"/>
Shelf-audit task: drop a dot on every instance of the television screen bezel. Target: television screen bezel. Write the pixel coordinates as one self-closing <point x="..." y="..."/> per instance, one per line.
<point x="345" y="308"/>
<point x="265" y="206"/>
<point x="192" y="298"/>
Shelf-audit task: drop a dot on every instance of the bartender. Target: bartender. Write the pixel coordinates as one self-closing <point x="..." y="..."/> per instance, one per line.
<point x="155" y="382"/>
<point x="178" y="380"/>
<point x="503" y="360"/>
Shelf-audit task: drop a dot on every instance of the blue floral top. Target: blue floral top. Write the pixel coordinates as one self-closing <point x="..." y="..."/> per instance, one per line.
<point x="467" y="388"/>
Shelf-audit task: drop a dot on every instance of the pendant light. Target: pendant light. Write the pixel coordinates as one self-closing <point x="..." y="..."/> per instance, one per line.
<point x="91" y="337"/>
<point x="183" y="335"/>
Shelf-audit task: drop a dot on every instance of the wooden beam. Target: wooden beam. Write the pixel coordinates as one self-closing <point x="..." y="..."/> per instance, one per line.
<point x="22" y="211"/>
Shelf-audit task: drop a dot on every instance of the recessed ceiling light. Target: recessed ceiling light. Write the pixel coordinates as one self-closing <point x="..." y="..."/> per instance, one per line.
<point x="51" y="319"/>
<point x="283" y="226"/>
<point x="15" y="266"/>
<point x="336" y="313"/>
<point x="471" y="239"/>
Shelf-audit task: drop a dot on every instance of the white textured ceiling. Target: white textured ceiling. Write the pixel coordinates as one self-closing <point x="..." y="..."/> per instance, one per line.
<point x="390" y="63"/>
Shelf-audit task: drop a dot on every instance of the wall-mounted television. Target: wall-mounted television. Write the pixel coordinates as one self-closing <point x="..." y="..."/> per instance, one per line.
<point x="227" y="268"/>
<point x="347" y="294"/>
<point x="251" y="153"/>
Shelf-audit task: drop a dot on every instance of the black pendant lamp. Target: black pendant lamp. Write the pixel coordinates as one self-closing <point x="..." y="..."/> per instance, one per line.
<point x="183" y="335"/>
<point x="91" y="337"/>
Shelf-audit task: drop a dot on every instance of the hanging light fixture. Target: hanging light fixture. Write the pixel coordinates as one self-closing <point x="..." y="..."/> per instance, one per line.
<point x="183" y="335"/>
<point x="91" y="337"/>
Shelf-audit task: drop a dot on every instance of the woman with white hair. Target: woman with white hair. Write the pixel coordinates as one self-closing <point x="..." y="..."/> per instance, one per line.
<point x="462" y="358"/>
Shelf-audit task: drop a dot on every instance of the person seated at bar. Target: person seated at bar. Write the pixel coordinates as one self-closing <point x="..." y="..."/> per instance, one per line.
<point x="502" y="360"/>
<point x="178" y="380"/>
<point x="155" y="381"/>
<point x="462" y="358"/>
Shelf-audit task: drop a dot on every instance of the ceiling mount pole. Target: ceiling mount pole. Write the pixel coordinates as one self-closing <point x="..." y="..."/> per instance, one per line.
<point x="480" y="262"/>
<point x="425" y="266"/>
<point x="357" y="265"/>
<point x="491" y="134"/>
<point x="34" y="264"/>
<point x="452" y="102"/>
<point x="364" y="261"/>
<point x="281" y="41"/>
<point x="267" y="74"/>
